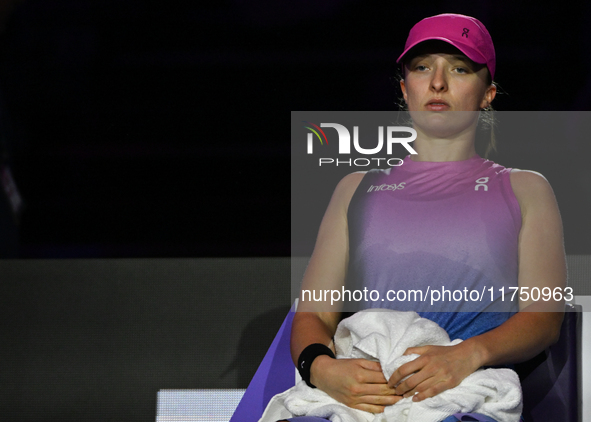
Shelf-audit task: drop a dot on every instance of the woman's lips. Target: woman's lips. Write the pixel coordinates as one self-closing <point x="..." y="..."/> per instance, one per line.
<point x="437" y="105"/>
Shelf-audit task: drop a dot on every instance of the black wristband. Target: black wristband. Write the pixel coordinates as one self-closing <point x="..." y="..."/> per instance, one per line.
<point x="307" y="357"/>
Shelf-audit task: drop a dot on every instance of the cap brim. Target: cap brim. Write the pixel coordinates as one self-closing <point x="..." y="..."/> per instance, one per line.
<point x="471" y="53"/>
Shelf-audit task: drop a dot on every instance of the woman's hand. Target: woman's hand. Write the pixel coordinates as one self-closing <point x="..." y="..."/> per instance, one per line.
<point x="438" y="368"/>
<point x="358" y="383"/>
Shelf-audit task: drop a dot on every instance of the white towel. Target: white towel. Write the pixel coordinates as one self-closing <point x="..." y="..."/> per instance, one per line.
<point x="383" y="336"/>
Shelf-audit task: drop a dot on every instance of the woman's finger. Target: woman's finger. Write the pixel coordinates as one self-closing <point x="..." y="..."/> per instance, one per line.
<point x="404" y="371"/>
<point x="364" y="390"/>
<point x="416" y="350"/>
<point x="416" y="382"/>
<point x="377" y="402"/>
<point x="431" y="391"/>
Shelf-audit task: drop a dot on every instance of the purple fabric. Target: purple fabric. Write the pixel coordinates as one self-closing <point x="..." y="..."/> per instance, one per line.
<point x="445" y="226"/>
<point x="275" y="375"/>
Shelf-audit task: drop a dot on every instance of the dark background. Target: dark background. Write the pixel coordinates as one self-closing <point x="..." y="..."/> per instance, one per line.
<point x="147" y="130"/>
<point x="159" y="129"/>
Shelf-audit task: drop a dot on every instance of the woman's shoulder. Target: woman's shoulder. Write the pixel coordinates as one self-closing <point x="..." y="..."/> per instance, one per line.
<point x="531" y="188"/>
<point x="351" y="180"/>
<point x="346" y="188"/>
<point x="528" y="179"/>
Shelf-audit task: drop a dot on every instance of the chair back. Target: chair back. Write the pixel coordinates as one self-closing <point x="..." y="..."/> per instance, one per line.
<point x="551" y="381"/>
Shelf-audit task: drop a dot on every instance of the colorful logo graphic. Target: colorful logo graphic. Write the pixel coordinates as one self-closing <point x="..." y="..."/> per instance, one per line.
<point x="316" y="133"/>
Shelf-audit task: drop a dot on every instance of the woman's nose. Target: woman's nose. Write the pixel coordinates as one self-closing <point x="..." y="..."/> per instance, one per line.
<point x="439" y="81"/>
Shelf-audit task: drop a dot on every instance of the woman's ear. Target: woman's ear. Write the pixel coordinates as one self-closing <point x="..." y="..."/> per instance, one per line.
<point x="489" y="96"/>
<point x="403" y="88"/>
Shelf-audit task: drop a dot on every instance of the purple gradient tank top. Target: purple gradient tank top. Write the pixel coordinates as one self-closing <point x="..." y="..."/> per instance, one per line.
<point x="450" y="226"/>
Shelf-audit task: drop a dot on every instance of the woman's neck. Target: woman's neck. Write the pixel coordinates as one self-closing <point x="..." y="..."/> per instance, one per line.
<point x="441" y="152"/>
<point x="429" y="148"/>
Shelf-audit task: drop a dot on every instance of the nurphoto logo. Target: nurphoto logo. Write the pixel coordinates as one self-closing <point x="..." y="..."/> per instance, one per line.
<point x="344" y="144"/>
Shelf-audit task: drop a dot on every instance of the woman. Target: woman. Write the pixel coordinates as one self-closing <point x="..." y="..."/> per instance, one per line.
<point x="448" y="68"/>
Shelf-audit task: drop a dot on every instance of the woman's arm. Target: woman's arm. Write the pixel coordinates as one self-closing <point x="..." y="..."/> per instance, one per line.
<point x="542" y="264"/>
<point x="357" y="383"/>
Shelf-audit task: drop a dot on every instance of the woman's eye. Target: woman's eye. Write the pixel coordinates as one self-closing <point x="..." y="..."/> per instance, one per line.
<point x="421" y="68"/>
<point x="461" y="70"/>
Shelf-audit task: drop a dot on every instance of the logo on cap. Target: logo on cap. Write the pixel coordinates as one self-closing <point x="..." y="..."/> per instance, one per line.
<point x="466" y="30"/>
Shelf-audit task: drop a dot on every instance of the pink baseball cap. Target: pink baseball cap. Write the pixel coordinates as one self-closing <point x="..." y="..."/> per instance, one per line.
<point x="465" y="33"/>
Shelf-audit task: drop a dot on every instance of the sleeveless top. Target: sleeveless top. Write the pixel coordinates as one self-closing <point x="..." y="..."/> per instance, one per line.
<point x="447" y="229"/>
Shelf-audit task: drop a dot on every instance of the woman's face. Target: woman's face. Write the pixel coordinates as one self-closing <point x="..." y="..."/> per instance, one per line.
<point x="440" y="78"/>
